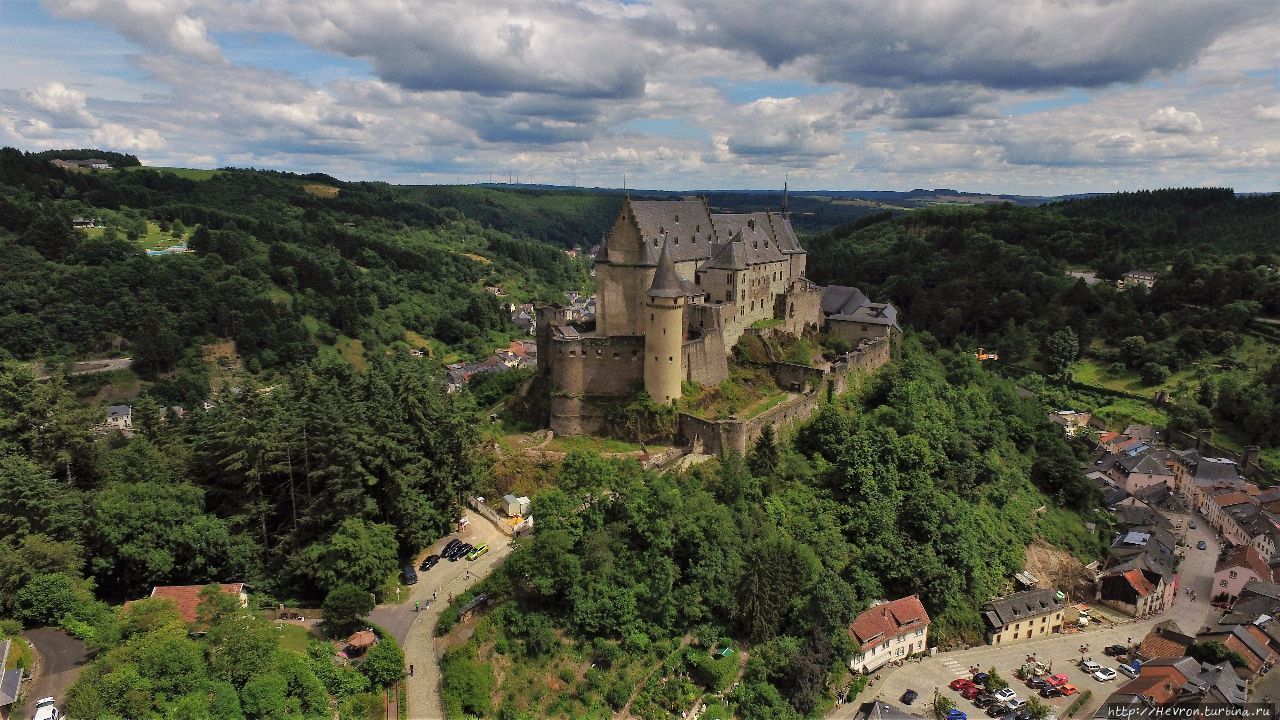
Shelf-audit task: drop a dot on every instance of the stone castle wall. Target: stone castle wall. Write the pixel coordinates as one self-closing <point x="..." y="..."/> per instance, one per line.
<point x="736" y="435"/>
<point x="588" y="376"/>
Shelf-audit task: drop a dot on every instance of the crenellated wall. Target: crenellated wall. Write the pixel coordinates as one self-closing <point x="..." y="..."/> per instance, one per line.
<point x="588" y="376"/>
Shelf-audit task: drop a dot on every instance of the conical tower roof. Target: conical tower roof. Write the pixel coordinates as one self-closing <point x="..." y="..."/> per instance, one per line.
<point x="666" y="283"/>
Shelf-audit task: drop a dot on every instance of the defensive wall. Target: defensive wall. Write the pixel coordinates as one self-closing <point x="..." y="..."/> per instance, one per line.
<point x="815" y="386"/>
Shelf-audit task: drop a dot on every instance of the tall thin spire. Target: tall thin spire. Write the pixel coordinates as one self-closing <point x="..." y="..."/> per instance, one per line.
<point x="786" y="205"/>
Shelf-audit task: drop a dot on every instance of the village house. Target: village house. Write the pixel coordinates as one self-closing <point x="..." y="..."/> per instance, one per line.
<point x="1165" y="640"/>
<point x="1134" y="278"/>
<point x="1070" y="420"/>
<point x="186" y="598"/>
<point x="10" y="680"/>
<point x="889" y="631"/>
<point x="1134" y="473"/>
<point x="1215" y="510"/>
<point x="1179" y="682"/>
<point x="120" y="417"/>
<point x="1139" y="590"/>
<point x="1236" y="569"/>
<point x="1248" y="640"/>
<point x="1022" y="616"/>
<point x="1254" y="525"/>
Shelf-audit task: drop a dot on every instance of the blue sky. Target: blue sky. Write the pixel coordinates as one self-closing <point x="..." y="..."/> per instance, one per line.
<point x="1031" y="96"/>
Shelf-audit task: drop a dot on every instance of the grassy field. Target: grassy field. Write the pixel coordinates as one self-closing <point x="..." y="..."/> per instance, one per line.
<point x="749" y="391"/>
<point x="153" y="240"/>
<point x="188" y="173"/>
<point x="295" y="638"/>
<point x="324" y="191"/>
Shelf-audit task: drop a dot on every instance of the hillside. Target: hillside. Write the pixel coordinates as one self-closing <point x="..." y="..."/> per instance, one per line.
<point x="997" y="277"/>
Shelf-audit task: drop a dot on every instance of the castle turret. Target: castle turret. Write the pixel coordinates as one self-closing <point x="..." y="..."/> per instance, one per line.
<point x="664" y="332"/>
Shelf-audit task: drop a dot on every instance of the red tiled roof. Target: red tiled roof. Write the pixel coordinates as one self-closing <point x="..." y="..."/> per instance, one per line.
<point x="1160" y="644"/>
<point x="1159" y="688"/>
<point x="887" y="620"/>
<point x="1108" y="436"/>
<point x="187" y="597"/>
<point x="1245" y="556"/>
<point x="1139" y="582"/>
<point x="1231" y="498"/>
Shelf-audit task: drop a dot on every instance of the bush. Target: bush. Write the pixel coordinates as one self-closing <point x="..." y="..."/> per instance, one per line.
<point x="384" y="663"/>
<point x="345" y="608"/>
<point x="46" y="599"/>
<point x="1154" y="373"/>
<point x="467" y="684"/>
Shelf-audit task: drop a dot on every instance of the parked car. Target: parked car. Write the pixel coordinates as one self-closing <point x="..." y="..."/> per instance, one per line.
<point x="1127" y="669"/>
<point x="1201" y="546"/>
<point x="450" y="546"/>
<point x="1015" y="704"/>
<point x="997" y="710"/>
<point x="477" y="551"/>
<point x="1056" y="680"/>
<point x="980" y="678"/>
<point x="1104" y="674"/>
<point x="970" y="692"/>
<point x="984" y="699"/>
<point x="461" y="550"/>
<point x="1036" y="683"/>
<point x="954" y="714"/>
<point x="1068" y="689"/>
<point x="1006" y="695"/>
<point x="1192" y="524"/>
<point x="1090" y="666"/>
<point x="961" y="683"/>
<point x="429" y="562"/>
<point x="408" y="575"/>
<point x="45" y="710"/>
<point x="1051" y="692"/>
<point x="909" y="697"/>
<point x="1115" y="650"/>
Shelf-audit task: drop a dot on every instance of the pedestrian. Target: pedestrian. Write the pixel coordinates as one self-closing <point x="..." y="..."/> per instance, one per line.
<point x="410" y="670"/>
<point x="433" y="594"/>
<point x="417" y="605"/>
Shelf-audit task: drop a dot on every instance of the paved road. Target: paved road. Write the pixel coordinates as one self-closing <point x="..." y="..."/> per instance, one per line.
<point x="1195" y="571"/>
<point x="62" y="657"/>
<point x="416" y="630"/>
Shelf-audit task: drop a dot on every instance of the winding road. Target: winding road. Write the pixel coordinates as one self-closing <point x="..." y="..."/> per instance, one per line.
<point x="62" y="659"/>
<point x="416" y="631"/>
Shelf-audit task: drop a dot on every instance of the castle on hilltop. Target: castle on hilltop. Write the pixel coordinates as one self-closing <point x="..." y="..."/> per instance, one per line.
<point x="677" y="285"/>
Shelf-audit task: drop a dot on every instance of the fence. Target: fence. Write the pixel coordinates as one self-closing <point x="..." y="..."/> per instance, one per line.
<point x="490" y="515"/>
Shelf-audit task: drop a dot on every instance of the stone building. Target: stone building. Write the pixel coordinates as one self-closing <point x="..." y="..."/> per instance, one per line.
<point x="1022" y="616"/>
<point x="676" y="285"/>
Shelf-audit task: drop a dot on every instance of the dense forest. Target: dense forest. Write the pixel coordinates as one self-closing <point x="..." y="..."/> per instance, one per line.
<point x="928" y="481"/>
<point x="997" y="277"/>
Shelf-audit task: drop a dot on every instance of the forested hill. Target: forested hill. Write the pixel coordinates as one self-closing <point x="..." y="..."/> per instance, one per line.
<point x="974" y="273"/>
<point x="285" y="265"/>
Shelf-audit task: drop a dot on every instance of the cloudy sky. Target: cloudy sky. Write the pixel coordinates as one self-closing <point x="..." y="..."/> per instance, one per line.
<point x="1024" y="96"/>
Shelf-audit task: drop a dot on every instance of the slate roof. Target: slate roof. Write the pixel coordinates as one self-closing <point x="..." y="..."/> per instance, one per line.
<point x="872" y="314"/>
<point x="839" y="299"/>
<point x="1143" y="464"/>
<point x="666" y="283"/>
<point x="887" y="620"/>
<point x="756" y="229"/>
<point x="728" y="256"/>
<point x="694" y="232"/>
<point x="115" y="411"/>
<point x="1208" y="469"/>
<point x="1261" y="588"/>
<point x="1129" y="512"/>
<point x="1220" y="683"/>
<point x="1020" y="606"/>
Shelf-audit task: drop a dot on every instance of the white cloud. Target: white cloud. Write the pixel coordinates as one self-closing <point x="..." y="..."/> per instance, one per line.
<point x="1172" y="120"/>
<point x="168" y="25"/>
<point x="121" y="138"/>
<point x="64" y="105"/>
<point x="1262" y="112"/>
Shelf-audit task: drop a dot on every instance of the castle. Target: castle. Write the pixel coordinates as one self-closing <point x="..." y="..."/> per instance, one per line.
<point x="677" y="285"/>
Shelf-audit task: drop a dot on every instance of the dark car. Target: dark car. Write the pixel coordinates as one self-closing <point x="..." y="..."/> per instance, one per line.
<point x="909" y="697"/>
<point x="1201" y="546"/>
<point x="454" y="543"/>
<point x="1037" y="683"/>
<point x="429" y="562"/>
<point x="1050" y="692"/>
<point x="409" y="576"/>
<point x="461" y="551"/>
<point x="984" y="699"/>
<point x="980" y="678"/>
<point x="1115" y="650"/>
<point x="998" y="710"/>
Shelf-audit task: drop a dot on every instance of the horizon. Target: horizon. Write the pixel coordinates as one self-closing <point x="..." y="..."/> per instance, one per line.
<point x="1037" y="98"/>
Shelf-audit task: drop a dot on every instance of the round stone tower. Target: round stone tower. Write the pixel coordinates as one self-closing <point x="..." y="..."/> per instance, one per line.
<point x="664" y="332"/>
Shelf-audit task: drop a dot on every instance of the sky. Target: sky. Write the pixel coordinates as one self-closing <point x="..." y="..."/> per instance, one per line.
<point x="1033" y="97"/>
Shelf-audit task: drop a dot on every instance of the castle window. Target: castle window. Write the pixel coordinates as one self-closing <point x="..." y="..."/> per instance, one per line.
<point x="617" y="355"/>
<point x="728" y="278"/>
<point x="573" y="353"/>
<point x="670" y="359"/>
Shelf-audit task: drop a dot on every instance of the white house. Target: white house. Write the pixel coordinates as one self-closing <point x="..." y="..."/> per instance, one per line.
<point x="889" y="631"/>
<point x="120" y="417"/>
